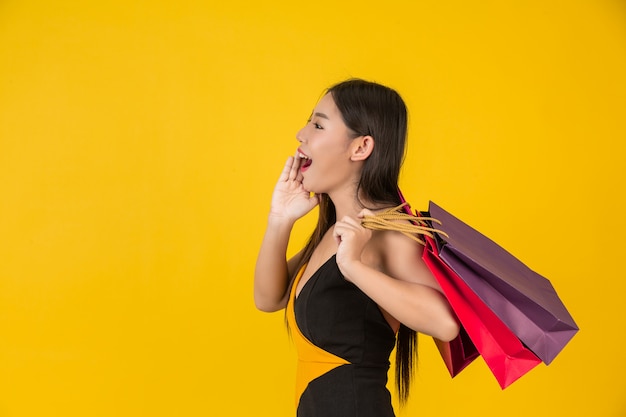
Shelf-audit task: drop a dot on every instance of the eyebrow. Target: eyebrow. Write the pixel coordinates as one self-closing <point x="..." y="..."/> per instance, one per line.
<point x="322" y="115"/>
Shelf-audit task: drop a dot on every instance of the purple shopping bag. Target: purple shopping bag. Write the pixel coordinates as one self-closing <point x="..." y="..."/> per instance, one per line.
<point x="524" y="300"/>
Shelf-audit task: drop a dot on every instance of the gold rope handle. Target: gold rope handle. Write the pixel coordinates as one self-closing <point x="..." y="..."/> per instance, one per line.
<point x="388" y="220"/>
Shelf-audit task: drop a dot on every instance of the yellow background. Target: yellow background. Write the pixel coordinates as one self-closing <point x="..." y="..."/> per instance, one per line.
<point x="140" y="141"/>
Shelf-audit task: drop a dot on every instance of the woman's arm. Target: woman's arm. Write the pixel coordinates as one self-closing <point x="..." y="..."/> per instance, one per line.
<point x="272" y="272"/>
<point x="404" y="287"/>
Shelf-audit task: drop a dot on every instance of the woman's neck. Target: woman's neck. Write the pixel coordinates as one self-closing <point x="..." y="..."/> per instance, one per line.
<point x="346" y="204"/>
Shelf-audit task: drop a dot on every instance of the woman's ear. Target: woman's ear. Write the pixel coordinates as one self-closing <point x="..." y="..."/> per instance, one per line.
<point x="361" y="147"/>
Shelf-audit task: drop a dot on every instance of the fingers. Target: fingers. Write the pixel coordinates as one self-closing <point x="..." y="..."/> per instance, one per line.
<point x="344" y="226"/>
<point x="295" y="168"/>
<point x="337" y="234"/>
<point x="365" y="213"/>
<point x="284" y="175"/>
<point x="291" y="170"/>
<point x="351" y="239"/>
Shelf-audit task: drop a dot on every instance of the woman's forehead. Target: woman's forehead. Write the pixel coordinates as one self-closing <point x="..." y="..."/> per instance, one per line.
<point x="326" y="107"/>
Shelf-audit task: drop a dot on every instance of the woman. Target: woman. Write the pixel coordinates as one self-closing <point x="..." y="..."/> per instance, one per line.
<point x="351" y="292"/>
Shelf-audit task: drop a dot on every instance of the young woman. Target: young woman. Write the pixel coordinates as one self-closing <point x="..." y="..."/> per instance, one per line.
<point x="351" y="293"/>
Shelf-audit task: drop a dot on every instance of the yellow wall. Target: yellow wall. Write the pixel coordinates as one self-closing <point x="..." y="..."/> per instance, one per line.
<point x="140" y="141"/>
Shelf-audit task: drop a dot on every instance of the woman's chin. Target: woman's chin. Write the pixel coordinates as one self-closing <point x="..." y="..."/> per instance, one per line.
<point x="308" y="188"/>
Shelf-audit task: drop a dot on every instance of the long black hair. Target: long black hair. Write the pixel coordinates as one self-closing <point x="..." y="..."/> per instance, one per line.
<point x="373" y="109"/>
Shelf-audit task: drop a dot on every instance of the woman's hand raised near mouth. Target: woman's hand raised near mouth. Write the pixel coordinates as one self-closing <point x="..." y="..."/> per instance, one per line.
<point x="290" y="200"/>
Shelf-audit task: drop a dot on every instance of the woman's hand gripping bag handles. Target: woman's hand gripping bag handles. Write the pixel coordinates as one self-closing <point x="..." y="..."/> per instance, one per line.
<point x="502" y="351"/>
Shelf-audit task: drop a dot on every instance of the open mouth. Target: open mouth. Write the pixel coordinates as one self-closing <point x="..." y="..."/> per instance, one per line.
<point x="306" y="161"/>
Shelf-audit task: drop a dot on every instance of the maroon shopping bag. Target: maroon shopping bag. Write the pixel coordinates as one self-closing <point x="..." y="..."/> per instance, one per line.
<point x="457" y="353"/>
<point x="524" y="300"/>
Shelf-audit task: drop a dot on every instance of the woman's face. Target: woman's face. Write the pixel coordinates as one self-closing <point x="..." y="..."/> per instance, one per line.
<point x="325" y="150"/>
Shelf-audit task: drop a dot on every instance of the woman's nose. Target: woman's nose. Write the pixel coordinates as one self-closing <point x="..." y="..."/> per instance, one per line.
<point x="299" y="135"/>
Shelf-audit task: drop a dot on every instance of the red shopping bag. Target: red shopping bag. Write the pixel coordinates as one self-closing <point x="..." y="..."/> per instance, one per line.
<point x="502" y="351"/>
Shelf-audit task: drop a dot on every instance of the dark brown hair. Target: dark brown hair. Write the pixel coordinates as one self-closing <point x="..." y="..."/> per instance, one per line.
<point x="372" y="109"/>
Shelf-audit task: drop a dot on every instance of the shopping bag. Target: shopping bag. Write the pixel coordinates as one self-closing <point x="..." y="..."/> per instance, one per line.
<point x="524" y="300"/>
<point x="457" y="353"/>
<point x="505" y="355"/>
<point x="507" y="358"/>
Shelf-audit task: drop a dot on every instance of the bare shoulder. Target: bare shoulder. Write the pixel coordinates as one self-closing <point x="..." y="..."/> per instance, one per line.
<point x="402" y="259"/>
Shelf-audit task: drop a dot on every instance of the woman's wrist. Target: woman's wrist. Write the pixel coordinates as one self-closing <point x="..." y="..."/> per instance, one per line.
<point x="279" y="221"/>
<point x="352" y="270"/>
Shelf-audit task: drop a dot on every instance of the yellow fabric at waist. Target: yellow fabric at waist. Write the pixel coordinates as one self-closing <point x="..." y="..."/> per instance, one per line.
<point x="313" y="361"/>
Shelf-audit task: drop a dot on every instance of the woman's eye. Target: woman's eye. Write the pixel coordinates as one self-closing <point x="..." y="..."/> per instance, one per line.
<point x="315" y="125"/>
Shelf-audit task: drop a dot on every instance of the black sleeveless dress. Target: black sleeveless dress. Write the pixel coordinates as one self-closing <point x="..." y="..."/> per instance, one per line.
<point x="343" y="344"/>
